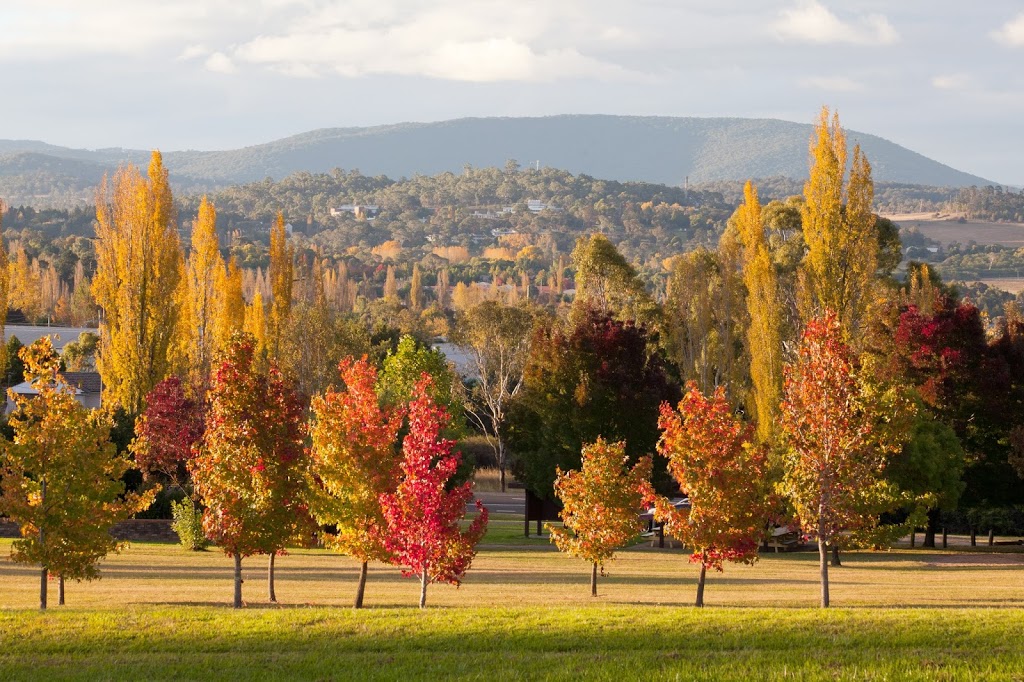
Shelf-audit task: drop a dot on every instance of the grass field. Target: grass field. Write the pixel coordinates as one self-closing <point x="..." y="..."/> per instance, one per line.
<point x="947" y="229"/>
<point x="523" y="612"/>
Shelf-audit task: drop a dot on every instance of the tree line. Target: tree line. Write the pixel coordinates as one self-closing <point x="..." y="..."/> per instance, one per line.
<point x="792" y="323"/>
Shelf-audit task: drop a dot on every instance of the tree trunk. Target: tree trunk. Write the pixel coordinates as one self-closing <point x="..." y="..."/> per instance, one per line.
<point x="700" y="585"/>
<point x="60" y="590"/>
<point x="823" y="566"/>
<point x="945" y="538"/>
<point x="361" y="587"/>
<point x="991" y="536"/>
<point x="501" y="462"/>
<point x="238" y="581"/>
<point x="974" y="537"/>
<point x="271" y="595"/>
<point x="931" y="529"/>
<point x="423" y="589"/>
<point x="43" y="575"/>
<point x="835" y="556"/>
<point x="913" y="538"/>
<point x="593" y="581"/>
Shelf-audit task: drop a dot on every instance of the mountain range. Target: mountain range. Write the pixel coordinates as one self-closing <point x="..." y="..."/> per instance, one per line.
<point x="654" y="149"/>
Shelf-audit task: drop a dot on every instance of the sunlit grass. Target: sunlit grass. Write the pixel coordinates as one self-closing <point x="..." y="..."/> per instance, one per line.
<point x="161" y="613"/>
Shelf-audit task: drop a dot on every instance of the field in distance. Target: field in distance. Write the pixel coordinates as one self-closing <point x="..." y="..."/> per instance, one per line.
<point x="951" y="227"/>
<point x="161" y="613"/>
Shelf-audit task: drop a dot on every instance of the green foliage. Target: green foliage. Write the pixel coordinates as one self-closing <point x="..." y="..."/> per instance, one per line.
<point x="404" y="367"/>
<point x="187" y="522"/>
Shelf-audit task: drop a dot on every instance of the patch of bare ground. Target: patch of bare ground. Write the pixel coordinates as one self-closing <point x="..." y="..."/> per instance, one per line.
<point x="950" y="227"/>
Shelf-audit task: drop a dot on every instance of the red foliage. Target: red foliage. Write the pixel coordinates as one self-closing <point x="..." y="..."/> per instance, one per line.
<point x="422" y="517"/>
<point x="168" y="430"/>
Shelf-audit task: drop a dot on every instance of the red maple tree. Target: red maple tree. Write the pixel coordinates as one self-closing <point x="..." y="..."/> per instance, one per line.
<point x="423" y="533"/>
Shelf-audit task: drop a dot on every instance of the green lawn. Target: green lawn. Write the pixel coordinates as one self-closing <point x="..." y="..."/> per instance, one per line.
<point x="523" y="613"/>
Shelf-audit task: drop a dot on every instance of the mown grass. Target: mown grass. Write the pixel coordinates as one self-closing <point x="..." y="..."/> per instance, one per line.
<point x="523" y="613"/>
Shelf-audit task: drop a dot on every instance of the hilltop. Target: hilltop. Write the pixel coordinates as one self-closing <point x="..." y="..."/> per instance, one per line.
<point x="625" y="148"/>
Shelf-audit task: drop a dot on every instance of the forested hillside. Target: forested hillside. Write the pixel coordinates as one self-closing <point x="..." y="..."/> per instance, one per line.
<point x="667" y="150"/>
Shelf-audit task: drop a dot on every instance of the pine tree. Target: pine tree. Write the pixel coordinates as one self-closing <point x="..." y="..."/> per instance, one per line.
<point x="764" y="305"/>
<point x="139" y="268"/>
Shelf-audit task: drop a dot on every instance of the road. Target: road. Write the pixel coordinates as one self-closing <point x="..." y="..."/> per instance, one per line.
<point x="513" y="502"/>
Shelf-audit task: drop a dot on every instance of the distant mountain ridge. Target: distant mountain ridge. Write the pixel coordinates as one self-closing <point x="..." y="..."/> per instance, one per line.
<point x="665" y="150"/>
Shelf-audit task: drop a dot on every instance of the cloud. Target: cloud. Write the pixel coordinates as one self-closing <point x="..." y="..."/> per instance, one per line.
<point x="531" y="41"/>
<point x="1012" y="32"/>
<point x="218" y="62"/>
<point x="951" y="81"/>
<point x="831" y="83"/>
<point x="193" y="52"/>
<point x="812" y="22"/>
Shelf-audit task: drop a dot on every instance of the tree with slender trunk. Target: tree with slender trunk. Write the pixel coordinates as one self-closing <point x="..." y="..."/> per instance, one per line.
<point x="422" y="516"/>
<point x="602" y="503"/>
<point x="712" y="458"/>
<point x="250" y="469"/>
<point x="835" y="462"/>
<point x="497" y="337"/>
<point x="354" y="460"/>
<point x="62" y="478"/>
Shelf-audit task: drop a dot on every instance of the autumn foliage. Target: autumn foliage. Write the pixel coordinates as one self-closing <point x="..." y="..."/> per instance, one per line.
<point x="422" y="517"/>
<point x="354" y="461"/>
<point x="833" y="469"/>
<point x="250" y="470"/>
<point x="602" y="503"/>
<point x="61" y="478"/>
<point x="167" y="430"/>
<point x="711" y="457"/>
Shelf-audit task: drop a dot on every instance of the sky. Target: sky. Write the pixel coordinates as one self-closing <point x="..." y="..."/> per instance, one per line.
<point x="942" y="78"/>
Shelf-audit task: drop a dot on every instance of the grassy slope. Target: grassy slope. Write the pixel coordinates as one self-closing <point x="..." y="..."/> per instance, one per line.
<point x="160" y="613"/>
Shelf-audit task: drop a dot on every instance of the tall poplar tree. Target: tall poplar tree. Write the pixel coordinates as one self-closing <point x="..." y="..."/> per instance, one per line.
<point x="138" y="272"/>
<point x="204" y="270"/>
<point x="841" y="238"/>
<point x="765" y="308"/>
<point x="230" y="312"/>
<point x="282" y="264"/>
<point x="5" y="283"/>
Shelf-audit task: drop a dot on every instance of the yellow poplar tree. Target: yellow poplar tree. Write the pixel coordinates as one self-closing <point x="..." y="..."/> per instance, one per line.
<point x="5" y="283"/>
<point x="230" y="312"/>
<point x="139" y="267"/>
<point x="842" y="244"/>
<point x="256" y="324"/>
<point x="764" y="306"/>
<point x="282" y="261"/>
<point x="204" y="270"/>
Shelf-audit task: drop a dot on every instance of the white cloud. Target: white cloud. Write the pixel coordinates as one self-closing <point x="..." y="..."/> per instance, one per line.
<point x="218" y="62"/>
<point x="193" y="52"/>
<point x="530" y="40"/>
<point x="812" y="22"/>
<point x="951" y="81"/>
<point x="831" y="83"/>
<point x="1012" y="32"/>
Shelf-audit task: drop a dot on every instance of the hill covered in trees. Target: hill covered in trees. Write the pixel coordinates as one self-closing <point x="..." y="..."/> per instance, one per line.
<point x="625" y="148"/>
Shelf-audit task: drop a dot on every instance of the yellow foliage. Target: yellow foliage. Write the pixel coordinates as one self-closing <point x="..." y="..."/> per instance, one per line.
<point x="138" y="271"/>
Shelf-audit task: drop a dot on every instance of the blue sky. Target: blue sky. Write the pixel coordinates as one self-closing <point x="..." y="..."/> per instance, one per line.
<point x="942" y="78"/>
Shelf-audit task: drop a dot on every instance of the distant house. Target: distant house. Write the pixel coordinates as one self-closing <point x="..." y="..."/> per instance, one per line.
<point x="366" y="212"/>
<point x="536" y="206"/>
<point x="87" y="385"/>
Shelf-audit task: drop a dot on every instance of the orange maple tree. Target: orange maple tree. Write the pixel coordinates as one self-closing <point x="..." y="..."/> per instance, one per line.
<point x="602" y="503"/>
<point x="712" y="458"/>
<point x="354" y="461"/>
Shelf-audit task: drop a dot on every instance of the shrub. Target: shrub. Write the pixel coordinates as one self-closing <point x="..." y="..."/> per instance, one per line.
<point x="188" y="524"/>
